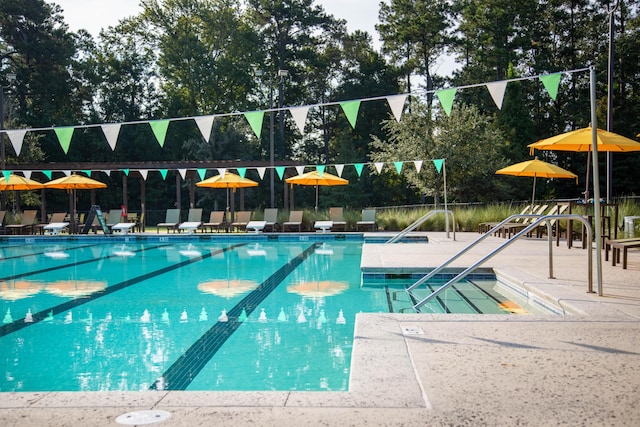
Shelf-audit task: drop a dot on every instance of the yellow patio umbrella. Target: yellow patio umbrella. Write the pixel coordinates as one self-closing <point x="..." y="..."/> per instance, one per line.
<point x="16" y="182"/>
<point x="317" y="179"/>
<point x="72" y="183"/>
<point x="537" y="169"/>
<point x="229" y="181"/>
<point x="322" y="288"/>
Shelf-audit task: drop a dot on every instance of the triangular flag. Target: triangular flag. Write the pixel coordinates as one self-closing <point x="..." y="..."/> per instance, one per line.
<point x="438" y="164"/>
<point x="159" y="128"/>
<point x="126" y="171"/>
<point x="280" y="170"/>
<point x="67" y="173"/>
<point x="350" y="109"/>
<point x="205" y="124"/>
<point x="261" y="172"/>
<point x="64" y="137"/>
<point x="396" y="103"/>
<point x="163" y="172"/>
<point x="27" y="174"/>
<point x="300" y="170"/>
<point x="202" y="172"/>
<point x="47" y="174"/>
<point x="299" y="115"/>
<point x="6" y="175"/>
<point x="87" y="172"/>
<point x="418" y="165"/>
<point x="242" y="172"/>
<point x="143" y="173"/>
<point x="497" y="89"/>
<point x="255" y="119"/>
<point x="111" y="132"/>
<point x="16" y="137"/>
<point x="108" y="172"/>
<point x="320" y="169"/>
<point x="339" y="169"/>
<point x="551" y="82"/>
<point x="398" y="166"/>
<point x="183" y="173"/>
<point x="446" y="96"/>
<point x="359" y="167"/>
<point x="222" y="172"/>
<point x="378" y="166"/>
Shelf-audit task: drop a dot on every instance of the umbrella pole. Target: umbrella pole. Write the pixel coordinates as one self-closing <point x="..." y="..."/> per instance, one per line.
<point x="533" y="196"/>
<point x="586" y="190"/>
<point x="317" y="199"/>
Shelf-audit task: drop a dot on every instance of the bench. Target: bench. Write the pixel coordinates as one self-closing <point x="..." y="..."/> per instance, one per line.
<point x="618" y="245"/>
<point x="189" y="226"/>
<point x="123" y="227"/>
<point x="55" y="228"/>
<point x="255" y="226"/>
<point x="323" y="226"/>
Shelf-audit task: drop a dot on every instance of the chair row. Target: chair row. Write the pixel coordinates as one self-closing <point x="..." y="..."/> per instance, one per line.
<point x="518" y="224"/>
<point x="59" y="222"/>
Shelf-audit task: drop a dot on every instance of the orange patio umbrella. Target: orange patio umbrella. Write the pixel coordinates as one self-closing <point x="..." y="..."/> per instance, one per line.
<point x="317" y="179"/>
<point x="229" y="181"/>
<point x="72" y="183"/>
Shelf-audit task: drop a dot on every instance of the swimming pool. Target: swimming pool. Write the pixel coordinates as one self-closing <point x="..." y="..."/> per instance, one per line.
<point x="184" y="314"/>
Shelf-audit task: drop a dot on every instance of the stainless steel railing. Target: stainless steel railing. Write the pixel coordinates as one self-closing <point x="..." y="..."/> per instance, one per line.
<point x="422" y="219"/>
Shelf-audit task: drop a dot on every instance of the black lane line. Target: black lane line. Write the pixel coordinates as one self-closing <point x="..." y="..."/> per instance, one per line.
<point x="468" y="301"/>
<point x="389" y="302"/>
<point x="73" y="248"/>
<point x="180" y="374"/>
<point x="16" y="325"/>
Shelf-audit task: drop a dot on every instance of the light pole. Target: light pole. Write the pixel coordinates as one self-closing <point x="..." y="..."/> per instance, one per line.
<point x="10" y="78"/>
<point x="610" y="100"/>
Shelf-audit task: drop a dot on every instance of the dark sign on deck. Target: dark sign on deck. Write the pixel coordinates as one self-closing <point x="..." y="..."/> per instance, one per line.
<point x="95" y="212"/>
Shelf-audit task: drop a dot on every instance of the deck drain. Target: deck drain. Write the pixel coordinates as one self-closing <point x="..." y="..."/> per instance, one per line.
<point x="137" y="418"/>
<point x="412" y="330"/>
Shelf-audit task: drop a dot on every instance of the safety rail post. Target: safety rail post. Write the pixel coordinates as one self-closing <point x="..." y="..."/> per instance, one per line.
<point x="422" y="219"/>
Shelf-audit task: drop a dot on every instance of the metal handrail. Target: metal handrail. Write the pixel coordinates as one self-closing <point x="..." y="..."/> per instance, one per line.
<point x="422" y="219"/>
<point x="526" y="230"/>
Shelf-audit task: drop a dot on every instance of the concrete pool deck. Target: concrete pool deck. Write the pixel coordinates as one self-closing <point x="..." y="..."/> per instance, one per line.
<point x="426" y="369"/>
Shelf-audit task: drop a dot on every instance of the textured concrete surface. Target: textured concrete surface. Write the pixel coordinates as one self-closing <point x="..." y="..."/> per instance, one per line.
<point x="582" y="368"/>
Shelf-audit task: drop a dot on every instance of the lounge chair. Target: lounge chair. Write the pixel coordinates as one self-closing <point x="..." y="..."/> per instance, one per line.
<point x="295" y="221"/>
<point x="2" y="215"/>
<point x="541" y="229"/>
<point x="56" y="224"/>
<point x="242" y="219"/>
<point x="194" y="221"/>
<point x="485" y="227"/>
<point x="171" y="221"/>
<point x="512" y="228"/>
<point x="113" y="217"/>
<point x="27" y="223"/>
<point x="336" y="215"/>
<point x="216" y="220"/>
<point x="271" y="219"/>
<point x="368" y="221"/>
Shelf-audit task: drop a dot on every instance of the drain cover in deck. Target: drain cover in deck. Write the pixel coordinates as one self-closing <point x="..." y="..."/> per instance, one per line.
<point x="138" y="418"/>
<point x="412" y="330"/>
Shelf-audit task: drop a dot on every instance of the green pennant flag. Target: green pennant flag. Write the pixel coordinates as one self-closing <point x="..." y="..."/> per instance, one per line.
<point x="163" y="172"/>
<point x="255" y="119"/>
<point x="398" y="166"/>
<point x="438" y="164"/>
<point x="47" y="174"/>
<point x="202" y="172"/>
<point x="320" y="169"/>
<point x="359" y="167"/>
<point x="446" y="96"/>
<point x="242" y="172"/>
<point x="126" y="171"/>
<point x="350" y="109"/>
<point x="159" y="128"/>
<point x="280" y="170"/>
<point x="87" y="172"/>
<point x="6" y="175"/>
<point x="551" y="82"/>
<point x="64" y="137"/>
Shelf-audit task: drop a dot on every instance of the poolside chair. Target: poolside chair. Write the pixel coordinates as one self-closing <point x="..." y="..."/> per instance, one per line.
<point x="27" y="223"/>
<point x="513" y="228"/>
<point x="368" y="221"/>
<point x="55" y="225"/>
<point x="216" y="220"/>
<point x="541" y="229"/>
<point x="242" y="219"/>
<point x="194" y="221"/>
<point x="295" y="221"/>
<point x="336" y="215"/>
<point x="271" y="219"/>
<point x="171" y="221"/>
<point x="2" y="215"/>
<point x="485" y="227"/>
<point x="113" y="217"/>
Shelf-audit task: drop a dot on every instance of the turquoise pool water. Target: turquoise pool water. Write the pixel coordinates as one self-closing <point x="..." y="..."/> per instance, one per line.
<point x="162" y="313"/>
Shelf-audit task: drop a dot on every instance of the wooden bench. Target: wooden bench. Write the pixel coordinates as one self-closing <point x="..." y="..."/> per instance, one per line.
<point x="618" y="245"/>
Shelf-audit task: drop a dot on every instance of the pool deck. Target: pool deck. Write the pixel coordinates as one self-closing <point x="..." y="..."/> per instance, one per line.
<point x="582" y="368"/>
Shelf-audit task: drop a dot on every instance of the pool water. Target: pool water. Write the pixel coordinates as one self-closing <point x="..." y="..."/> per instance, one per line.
<point x="179" y="315"/>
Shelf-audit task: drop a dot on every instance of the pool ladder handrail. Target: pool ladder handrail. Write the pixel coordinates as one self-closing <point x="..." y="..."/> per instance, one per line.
<point x="422" y="219"/>
<point x="526" y="230"/>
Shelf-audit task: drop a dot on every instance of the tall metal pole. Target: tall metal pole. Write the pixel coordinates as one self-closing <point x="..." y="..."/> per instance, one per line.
<point x="271" y="148"/>
<point x="610" y="101"/>
<point x="2" y="153"/>
<point x="596" y="180"/>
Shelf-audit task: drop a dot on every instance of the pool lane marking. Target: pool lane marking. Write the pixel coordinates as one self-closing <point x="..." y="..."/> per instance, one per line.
<point x="16" y="325"/>
<point x="180" y="374"/>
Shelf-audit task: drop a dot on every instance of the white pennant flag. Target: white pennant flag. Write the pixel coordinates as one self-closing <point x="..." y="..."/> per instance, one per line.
<point x="379" y="166"/>
<point x="107" y="172"/>
<point x="143" y="173"/>
<point x="497" y="89"/>
<point x="16" y="137"/>
<point x="27" y="174"/>
<point x="67" y="173"/>
<point x="111" y="132"/>
<point x="300" y="169"/>
<point x="222" y="171"/>
<point x="205" y="124"/>
<point x="299" y="115"/>
<point x="183" y="173"/>
<point x="418" y="165"/>
<point x="339" y="169"/>
<point x="396" y="103"/>
<point x="261" y="172"/>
